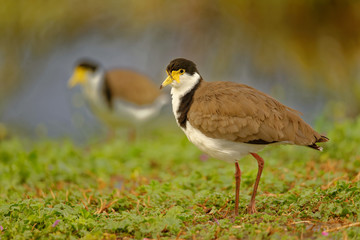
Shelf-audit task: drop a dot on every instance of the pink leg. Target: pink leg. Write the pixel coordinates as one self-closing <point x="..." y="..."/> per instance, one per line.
<point x="110" y="134"/>
<point x="132" y="135"/>
<point x="237" y="190"/>
<point x="251" y="208"/>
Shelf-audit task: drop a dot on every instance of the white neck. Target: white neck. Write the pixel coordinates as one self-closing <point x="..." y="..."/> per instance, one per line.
<point x="178" y="90"/>
<point x="94" y="84"/>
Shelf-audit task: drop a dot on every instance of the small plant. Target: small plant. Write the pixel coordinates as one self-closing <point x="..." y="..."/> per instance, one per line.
<point x="162" y="187"/>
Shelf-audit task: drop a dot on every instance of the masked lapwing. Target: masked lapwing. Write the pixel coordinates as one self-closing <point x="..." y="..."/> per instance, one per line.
<point x="118" y="96"/>
<point x="229" y="120"/>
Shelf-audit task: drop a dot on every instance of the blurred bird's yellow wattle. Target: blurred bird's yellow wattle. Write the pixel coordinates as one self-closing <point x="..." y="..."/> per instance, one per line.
<point x="78" y="77"/>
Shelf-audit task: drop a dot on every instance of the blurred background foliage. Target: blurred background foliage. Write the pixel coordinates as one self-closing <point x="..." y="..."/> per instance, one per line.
<point x="313" y="44"/>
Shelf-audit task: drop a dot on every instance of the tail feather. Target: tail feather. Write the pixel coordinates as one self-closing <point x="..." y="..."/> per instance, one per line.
<point x="321" y="139"/>
<point x="314" y="146"/>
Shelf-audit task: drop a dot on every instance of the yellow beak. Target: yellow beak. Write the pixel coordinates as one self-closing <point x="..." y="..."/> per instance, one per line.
<point x="78" y="77"/>
<point x="174" y="75"/>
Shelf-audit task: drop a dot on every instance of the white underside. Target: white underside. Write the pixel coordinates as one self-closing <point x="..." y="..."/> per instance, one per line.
<point x="123" y="112"/>
<point x="137" y="113"/>
<point x="220" y="148"/>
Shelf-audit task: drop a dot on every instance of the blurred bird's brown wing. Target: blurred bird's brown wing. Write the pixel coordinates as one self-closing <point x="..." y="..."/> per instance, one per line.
<point x="130" y="86"/>
<point x="236" y="112"/>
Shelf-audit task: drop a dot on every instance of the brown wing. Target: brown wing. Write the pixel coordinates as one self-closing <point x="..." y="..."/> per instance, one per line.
<point x="130" y="86"/>
<point x="237" y="112"/>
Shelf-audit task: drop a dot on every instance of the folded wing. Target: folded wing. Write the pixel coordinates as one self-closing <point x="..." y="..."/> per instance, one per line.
<point x="237" y="112"/>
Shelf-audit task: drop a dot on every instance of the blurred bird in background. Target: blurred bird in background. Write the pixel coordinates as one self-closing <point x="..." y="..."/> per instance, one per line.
<point x="118" y="97"/>
<point x="261" y="41"/>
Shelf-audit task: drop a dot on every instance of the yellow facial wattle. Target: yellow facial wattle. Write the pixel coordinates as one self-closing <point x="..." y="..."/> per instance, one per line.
<point x="173" y="76"/>
<point x="78" y="77"/>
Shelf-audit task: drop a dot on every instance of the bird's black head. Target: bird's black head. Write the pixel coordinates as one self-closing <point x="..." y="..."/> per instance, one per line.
<point x="181" y="73"/>
<point x="88" y="64"/>
<point x="182" y="64"/>
<point x="84" y="69"/>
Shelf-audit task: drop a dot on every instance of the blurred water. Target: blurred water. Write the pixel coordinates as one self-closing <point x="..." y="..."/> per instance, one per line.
<point x="43" y="105"/>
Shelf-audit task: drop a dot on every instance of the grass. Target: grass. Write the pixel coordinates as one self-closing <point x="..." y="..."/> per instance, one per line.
<point x="162" y="187"/>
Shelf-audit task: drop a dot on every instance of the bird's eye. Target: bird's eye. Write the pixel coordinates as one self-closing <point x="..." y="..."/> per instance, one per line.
<point x="182" y="71"/>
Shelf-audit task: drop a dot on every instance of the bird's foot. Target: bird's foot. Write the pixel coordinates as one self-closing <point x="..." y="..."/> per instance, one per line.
<point x="251" y="209"/>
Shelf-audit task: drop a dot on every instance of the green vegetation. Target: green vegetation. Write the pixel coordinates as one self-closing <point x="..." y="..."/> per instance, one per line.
<point x="161" y="187"/>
